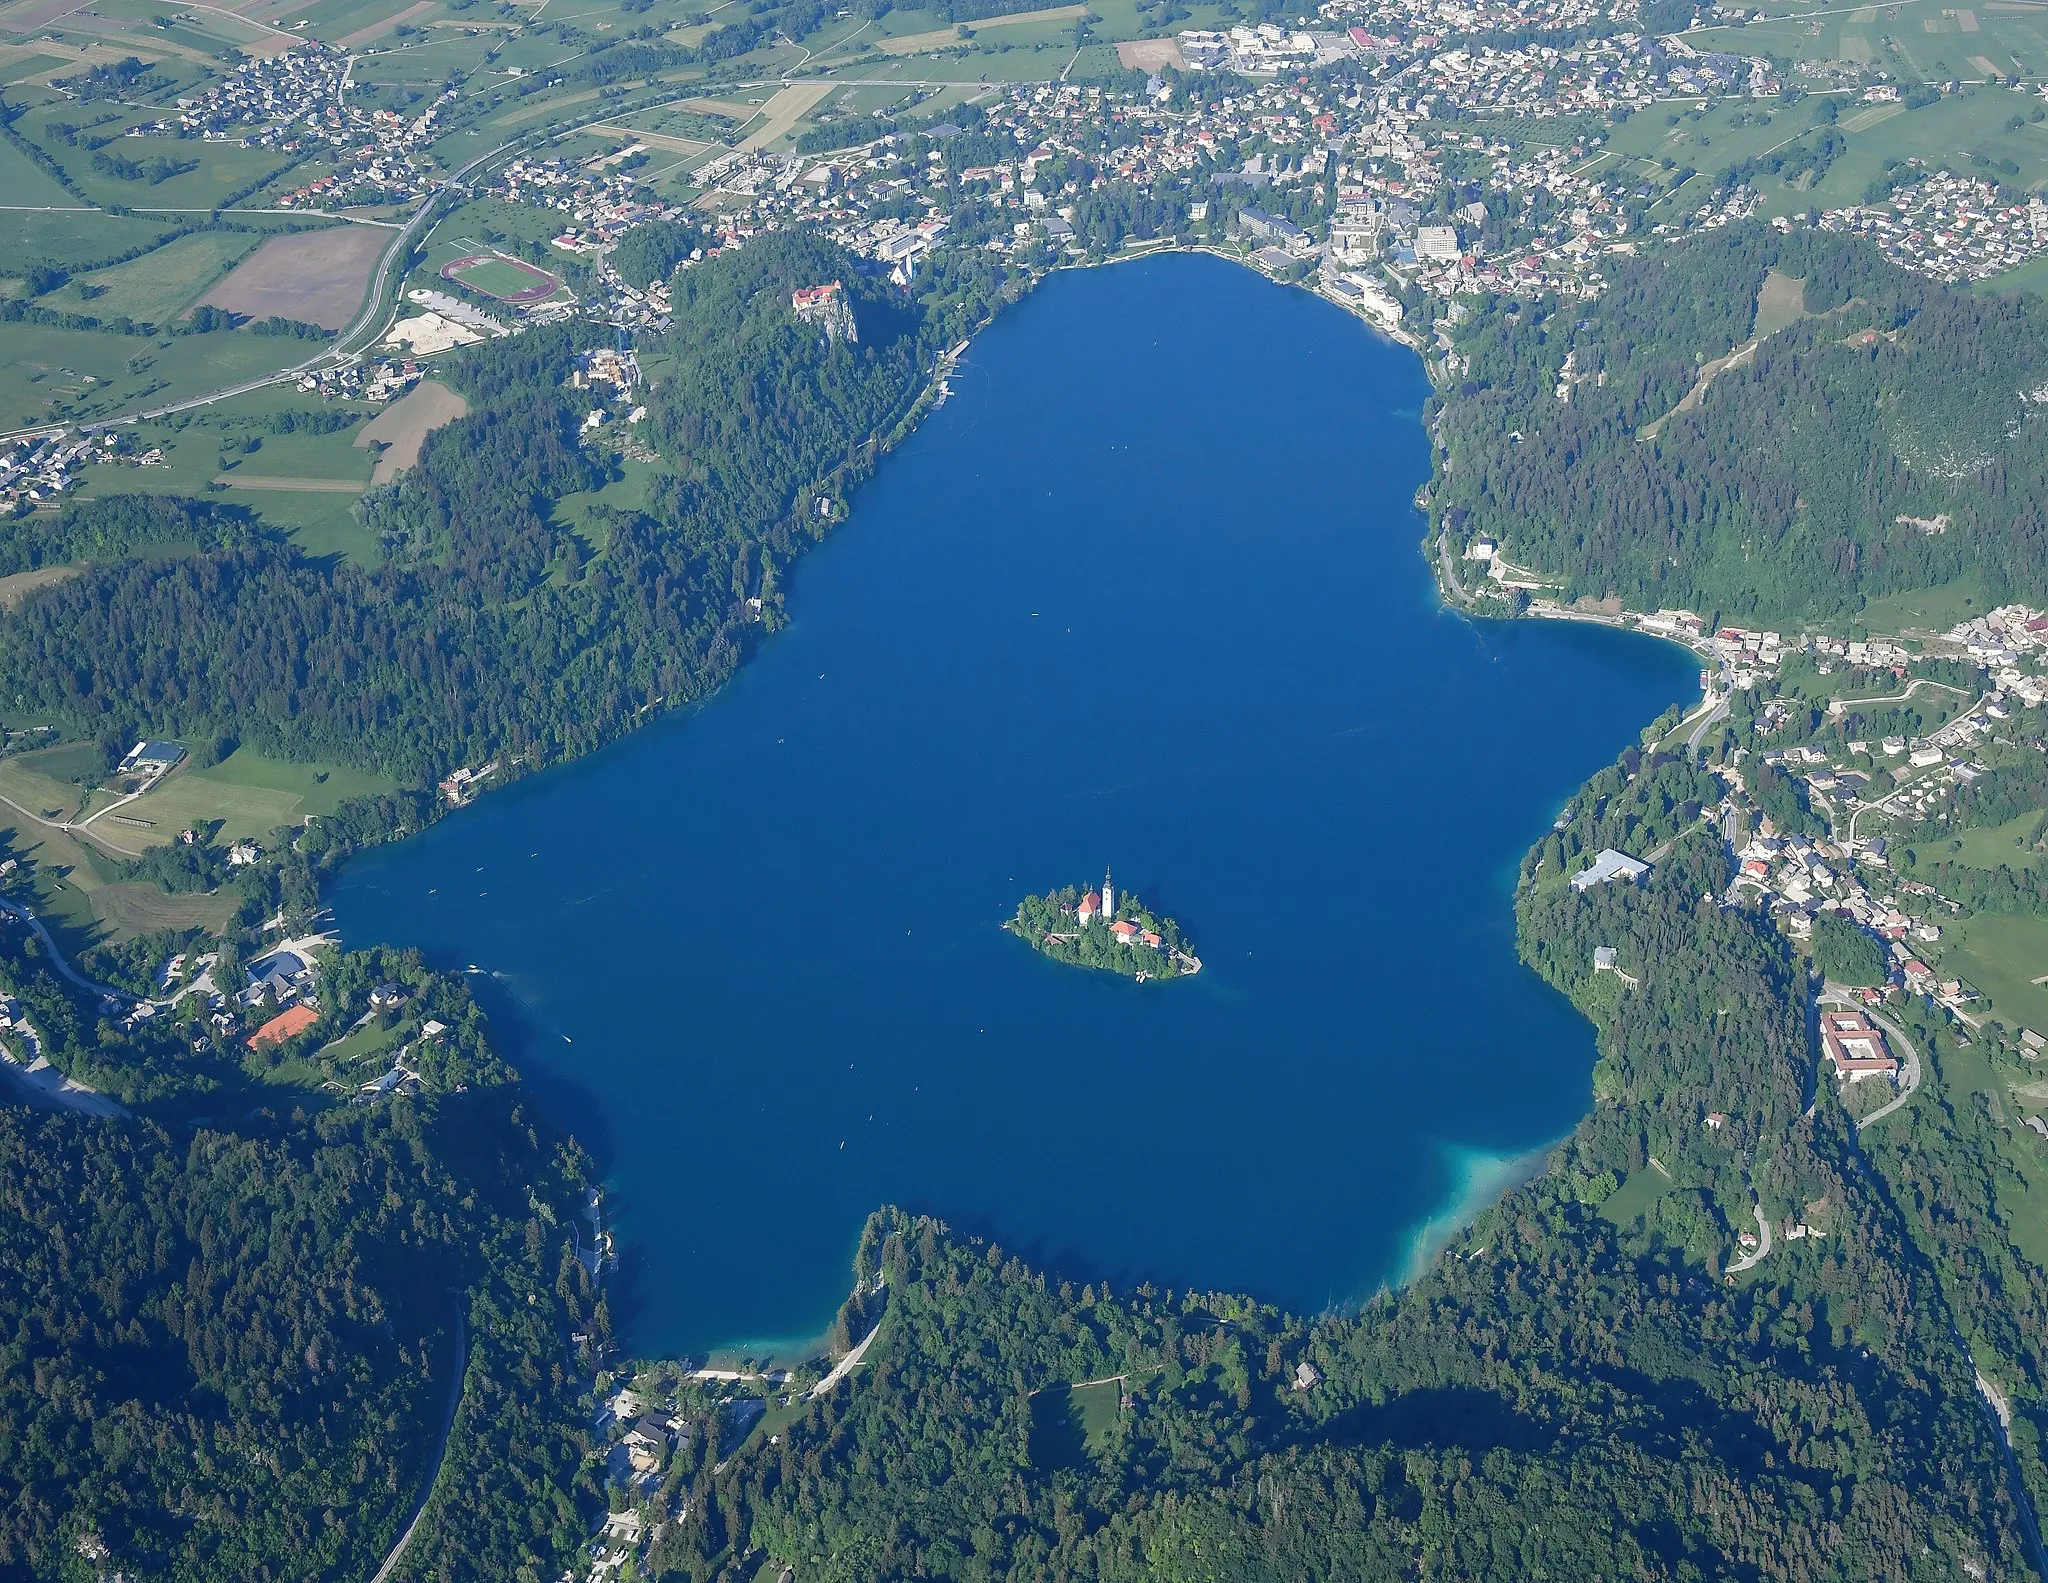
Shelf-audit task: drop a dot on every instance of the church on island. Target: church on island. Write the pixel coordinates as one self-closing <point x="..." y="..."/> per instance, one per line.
<point x="1124" y="931"/>
<point x="1104" y="929"/>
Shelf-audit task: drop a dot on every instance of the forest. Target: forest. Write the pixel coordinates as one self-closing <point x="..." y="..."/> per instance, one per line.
<point x="229" y="1347"/>
<point x="1885" y="438"/>
<point x="510" y="627"/>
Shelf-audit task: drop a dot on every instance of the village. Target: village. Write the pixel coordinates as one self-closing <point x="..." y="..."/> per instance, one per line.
<point x="1847" y="815"/>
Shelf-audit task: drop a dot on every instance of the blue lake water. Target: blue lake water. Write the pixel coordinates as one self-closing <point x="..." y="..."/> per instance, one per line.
<point x="1147" y="593"/>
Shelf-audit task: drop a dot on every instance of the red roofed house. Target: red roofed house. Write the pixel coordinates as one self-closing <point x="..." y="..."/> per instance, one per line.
<point x="1091" y="904"/>
<point x="293" y="1020"/>
<point x="1855" y="1046"/>
<point x="1125" y="931"/>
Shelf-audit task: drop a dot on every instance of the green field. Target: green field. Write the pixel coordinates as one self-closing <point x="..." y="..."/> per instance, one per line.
<point x="1070" y="1423"/>
<point x="2001" y="956"/>
<point x="1929" y="609"/>
<point x="80" y="374"/>
<point x="2011" y="844"/>
<point x="498" y="277"/>
<point x="25" y="183"/>
<point x="73" y="239"/>
<point x="159" y="286"/>
<point x="250" y="794"/>
<point x="1629" y="1202"/>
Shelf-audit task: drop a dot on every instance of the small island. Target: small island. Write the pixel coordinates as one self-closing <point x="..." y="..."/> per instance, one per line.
<point x="1102" y="929"/>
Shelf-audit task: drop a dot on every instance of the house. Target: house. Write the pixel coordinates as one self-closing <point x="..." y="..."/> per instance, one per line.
<point x="1609" y="864"/>
<point x="1307" y="1376"/>
<point x="1715" y="1121"/>
<point x="387" y="995"/>
<point x="1919" y="976"/>
<point x="1855" y="1046"/>
<point x="1125" y="931"/>
<point x="1090" y="908"/>
<point x="1605" y="961"/>
<point x="285" y="1025"/>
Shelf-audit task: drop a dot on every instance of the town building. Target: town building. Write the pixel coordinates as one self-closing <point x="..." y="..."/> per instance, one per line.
<point x="1855" y="1047"/>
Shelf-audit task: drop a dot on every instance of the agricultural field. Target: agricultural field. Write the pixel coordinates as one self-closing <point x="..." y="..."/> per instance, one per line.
<point x="158" y="287"/>
<point x="402" y="428"/>
<point x="53" y="374"/>
<point x="1972" y="132"/>
<point x="25" y="183"/>
<point x="250" y="795"/>
<point x="2001" y="956"/>
<point x="319" y="277"/>
<point x="77" y="238"/>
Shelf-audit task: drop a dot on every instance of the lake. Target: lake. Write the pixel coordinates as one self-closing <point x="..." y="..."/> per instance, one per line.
<point x="1147" y="594"/>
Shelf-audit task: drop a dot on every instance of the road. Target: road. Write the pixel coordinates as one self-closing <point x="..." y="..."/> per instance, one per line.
<point x="374" y="316"/>
<point x="1443" y="550"/>
<point x="1909" y="1058"/>
<point x="397" y="1555"/>
<point x="57" y="959"/>
<point x="845" y="1365"/>
<point x="1756" y="1256"/>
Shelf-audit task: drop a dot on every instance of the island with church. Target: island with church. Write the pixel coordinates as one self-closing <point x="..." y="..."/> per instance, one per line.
<point x="1104" y="929"/>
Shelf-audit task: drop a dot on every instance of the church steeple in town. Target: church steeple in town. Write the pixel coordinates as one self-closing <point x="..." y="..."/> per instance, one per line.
<point x="1108" y="896"/>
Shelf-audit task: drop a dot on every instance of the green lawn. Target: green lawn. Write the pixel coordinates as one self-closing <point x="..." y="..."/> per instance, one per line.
<point x="2002" y="956"/>
<point x="70" y="239"/>
<point x="249" y="794"/>
<point x="25" y="183"/>
<point x="365" y="1042"/>
<point x="497" y="277"/>
<point x="159" y="286"/>
<point x="51" y="373"/>
<point x="2010" y="843"/>
<point x="1629" y="1202"/>
<point x="1935" y="609"/>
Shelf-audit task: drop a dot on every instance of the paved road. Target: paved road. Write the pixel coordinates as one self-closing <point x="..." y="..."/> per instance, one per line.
<point x="1751" y="1260"/>
<point x="440" y="1452"/>
<point x="1909" y="1058"/>
<point x="57" y="959"/>
<point x="845" y="1365"/>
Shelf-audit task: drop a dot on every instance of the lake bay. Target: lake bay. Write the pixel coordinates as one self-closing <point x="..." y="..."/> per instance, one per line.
<point x="1146" y="594"/>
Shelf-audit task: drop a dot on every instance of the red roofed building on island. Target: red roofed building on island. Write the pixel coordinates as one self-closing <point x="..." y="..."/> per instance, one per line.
<point x="287" y="1023"/>
<point x="1125" y="931"/>
<point x="1091" y="905"/>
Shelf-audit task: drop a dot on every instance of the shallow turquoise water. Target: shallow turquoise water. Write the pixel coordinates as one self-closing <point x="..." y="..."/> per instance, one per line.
<point x="1146" y="594"/>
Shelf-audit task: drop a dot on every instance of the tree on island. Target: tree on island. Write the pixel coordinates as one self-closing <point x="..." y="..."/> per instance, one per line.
<point x="1125" y="936"/>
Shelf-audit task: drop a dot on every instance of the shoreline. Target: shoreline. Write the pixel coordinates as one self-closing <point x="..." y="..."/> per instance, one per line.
<point x="1478" y="1179"/>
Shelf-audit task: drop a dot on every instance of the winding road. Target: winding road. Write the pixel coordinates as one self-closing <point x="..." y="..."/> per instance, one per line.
<point x="398" y="1550"/>
<point x="1757" y="1255"/>
<point x="1909" y="1058"/>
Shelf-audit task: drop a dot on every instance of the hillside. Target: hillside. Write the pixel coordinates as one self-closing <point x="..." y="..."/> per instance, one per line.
<point x="1889" y="437"/>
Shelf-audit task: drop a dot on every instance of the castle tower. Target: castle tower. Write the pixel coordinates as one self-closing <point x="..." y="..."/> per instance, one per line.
<point x="1108" y="897"/>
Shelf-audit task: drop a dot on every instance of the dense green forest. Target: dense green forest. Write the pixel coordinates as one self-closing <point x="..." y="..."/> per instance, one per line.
<point x="1889" y="438"/>
<point x="508" y="627"/>
<point x="229" y="1347"/>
